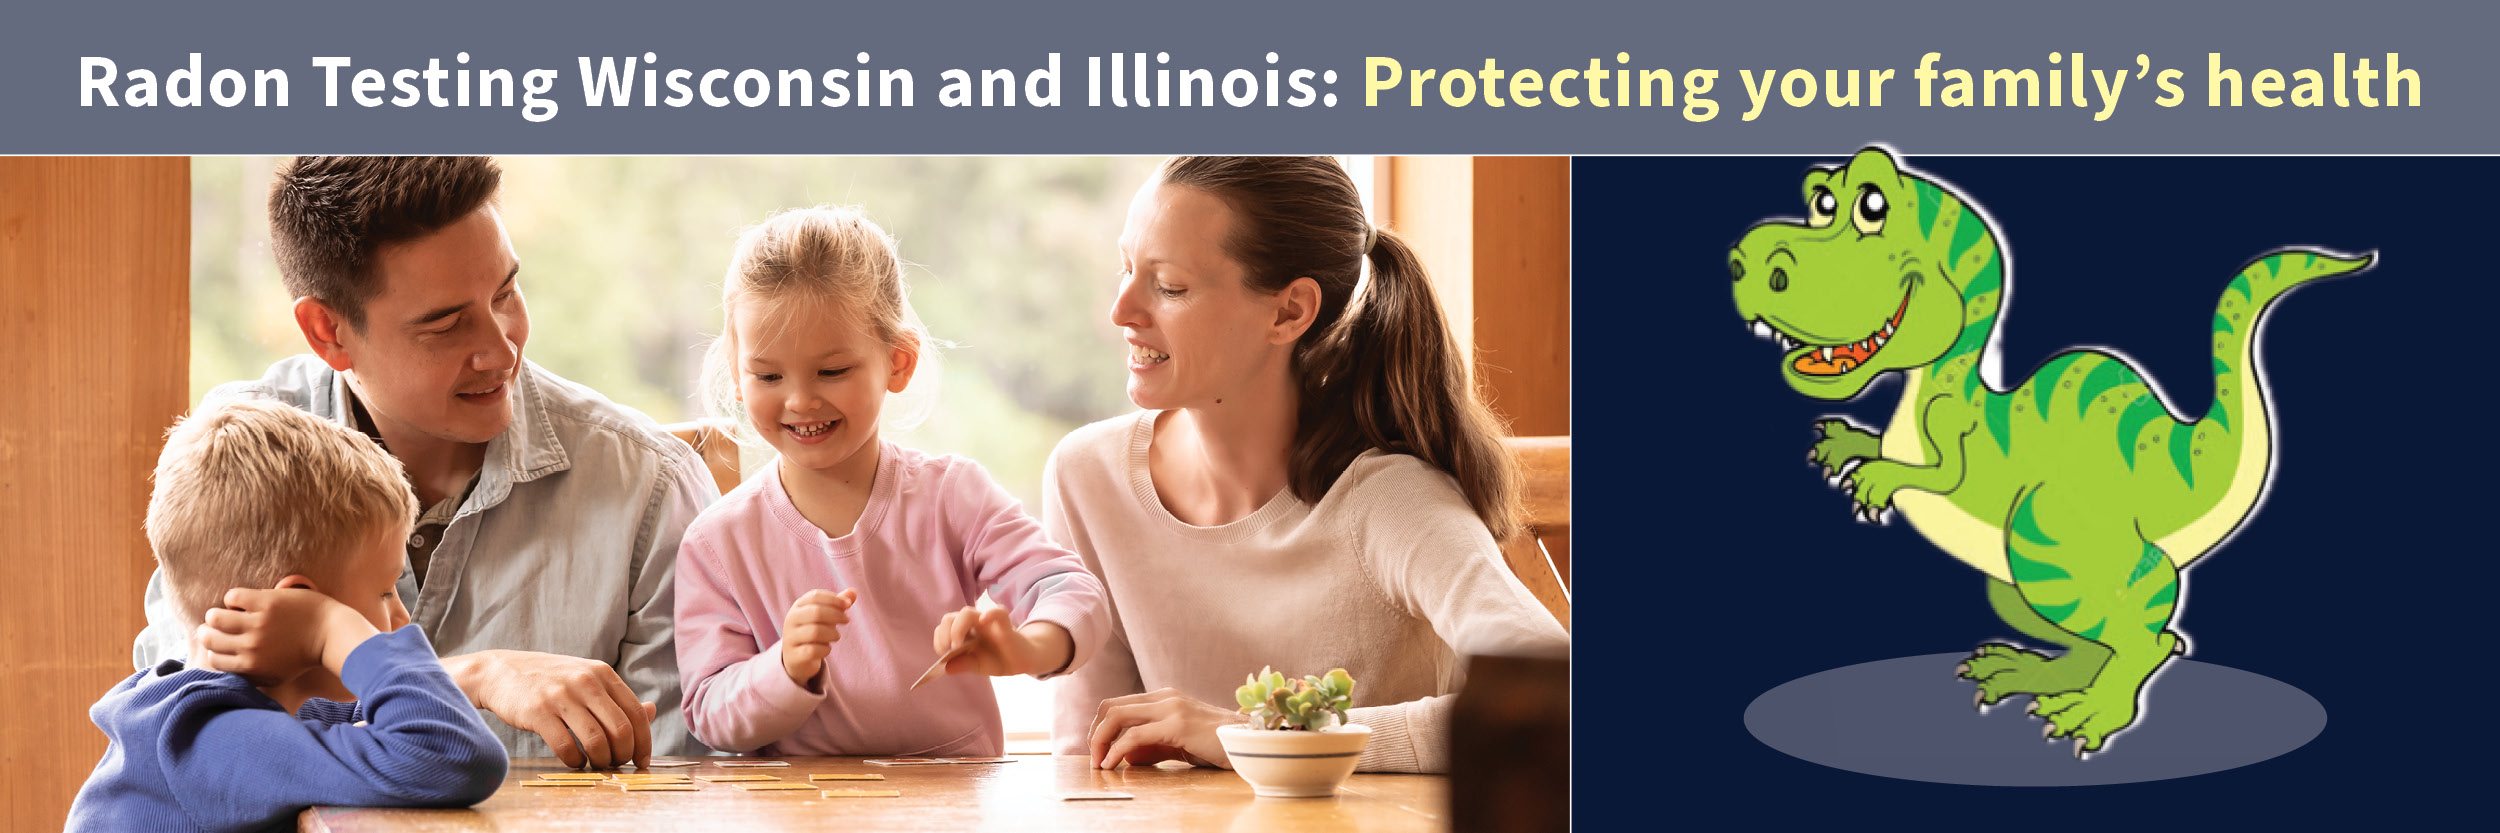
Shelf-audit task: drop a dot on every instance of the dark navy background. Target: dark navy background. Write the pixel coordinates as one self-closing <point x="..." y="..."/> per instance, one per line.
<point x="1719" y="565"/>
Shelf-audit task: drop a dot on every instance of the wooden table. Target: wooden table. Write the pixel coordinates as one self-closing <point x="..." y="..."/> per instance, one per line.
<point x="1020" y="795"/>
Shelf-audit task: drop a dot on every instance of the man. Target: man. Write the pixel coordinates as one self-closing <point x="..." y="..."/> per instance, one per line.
<point x="542" y="566"/>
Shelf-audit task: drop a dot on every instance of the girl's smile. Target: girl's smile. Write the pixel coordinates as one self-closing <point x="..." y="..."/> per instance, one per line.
<point x="813" y="385"/>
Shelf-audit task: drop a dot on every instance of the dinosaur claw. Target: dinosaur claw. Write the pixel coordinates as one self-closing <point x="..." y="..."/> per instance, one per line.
<point x="2034" y="708"/>
<point x="1962" y="671"/>
<point x="1979" y="700"/>
<point x="2048" y="730"/>
<point x="2079" y="750"/>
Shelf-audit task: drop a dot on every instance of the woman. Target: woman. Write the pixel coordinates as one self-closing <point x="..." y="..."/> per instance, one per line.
<point x="1312" y="483"/>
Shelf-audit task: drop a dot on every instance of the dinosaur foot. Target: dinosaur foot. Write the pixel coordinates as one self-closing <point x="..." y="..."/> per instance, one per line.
<point x="2100" y="710"/>
<point x="2004" y="671"/>
<point x="2090" y="717"/>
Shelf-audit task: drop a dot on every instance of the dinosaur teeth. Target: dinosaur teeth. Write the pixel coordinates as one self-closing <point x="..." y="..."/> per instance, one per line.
<point x="1827" y="354"/>
<point x="1879" y="342"/>
<point x="1888" y="329"/>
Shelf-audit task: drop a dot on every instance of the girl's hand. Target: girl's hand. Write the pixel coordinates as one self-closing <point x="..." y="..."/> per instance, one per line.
<point x="808" y="633"/>
<point x="994" y="648"/>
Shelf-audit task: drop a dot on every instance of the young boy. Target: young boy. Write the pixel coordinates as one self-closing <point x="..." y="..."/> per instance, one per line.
<point x="263" y="495"/>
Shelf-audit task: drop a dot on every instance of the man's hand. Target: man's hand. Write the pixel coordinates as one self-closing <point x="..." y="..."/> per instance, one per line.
<point x="580" y="707"/>
<point x="807" y="634"/>
<point x="270" y="636"/>
<point x="1158" y="726"/>
<point x="993" y="648"/>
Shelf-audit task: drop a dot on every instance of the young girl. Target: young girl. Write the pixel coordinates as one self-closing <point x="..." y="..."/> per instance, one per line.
<point x="812" y="597"/>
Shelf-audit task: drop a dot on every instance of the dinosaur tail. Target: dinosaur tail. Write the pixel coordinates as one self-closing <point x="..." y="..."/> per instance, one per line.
<point x="2239" y="394"/>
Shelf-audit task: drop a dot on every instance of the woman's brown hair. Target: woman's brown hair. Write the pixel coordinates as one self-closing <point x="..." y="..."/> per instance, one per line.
<point x="1377" y="369"/>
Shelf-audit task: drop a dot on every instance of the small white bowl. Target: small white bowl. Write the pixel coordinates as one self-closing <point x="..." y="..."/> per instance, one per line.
<point x="1294" y="764"/>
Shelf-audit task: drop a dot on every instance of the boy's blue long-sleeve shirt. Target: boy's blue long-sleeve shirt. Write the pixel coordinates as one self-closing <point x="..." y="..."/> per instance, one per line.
<point x="194" y="749"/>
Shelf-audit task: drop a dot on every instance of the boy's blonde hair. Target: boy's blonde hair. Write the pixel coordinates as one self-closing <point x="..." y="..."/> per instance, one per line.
<point x="248" y="492"/>
<point x="826" y="258"/>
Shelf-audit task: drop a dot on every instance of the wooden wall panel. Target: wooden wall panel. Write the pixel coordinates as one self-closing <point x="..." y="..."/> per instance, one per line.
<point x="95" y="348"/>
<point x="1522" y="290"/>
<point x="1496" y="233"/>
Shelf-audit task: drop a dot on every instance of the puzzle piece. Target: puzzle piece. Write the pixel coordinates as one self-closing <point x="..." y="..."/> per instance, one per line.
<point x="906" y="762"/>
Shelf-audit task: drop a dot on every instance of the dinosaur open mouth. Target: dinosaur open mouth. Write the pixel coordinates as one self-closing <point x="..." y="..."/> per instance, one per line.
<point x="1836" y="359"/>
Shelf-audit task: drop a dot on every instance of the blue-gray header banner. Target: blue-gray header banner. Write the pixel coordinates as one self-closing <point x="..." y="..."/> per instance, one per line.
<point x="1267" y="77"/>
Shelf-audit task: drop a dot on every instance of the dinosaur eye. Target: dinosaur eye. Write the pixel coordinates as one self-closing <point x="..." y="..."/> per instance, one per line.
<point x="1821" y="207"/>
<point x="1872" y="207"/>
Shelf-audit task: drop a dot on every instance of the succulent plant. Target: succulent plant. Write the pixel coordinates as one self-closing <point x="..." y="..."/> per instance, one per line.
<point x="1307" y="704"/>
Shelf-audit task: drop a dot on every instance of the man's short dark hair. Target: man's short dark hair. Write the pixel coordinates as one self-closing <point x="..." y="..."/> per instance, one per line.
<point x="329" y="215"/>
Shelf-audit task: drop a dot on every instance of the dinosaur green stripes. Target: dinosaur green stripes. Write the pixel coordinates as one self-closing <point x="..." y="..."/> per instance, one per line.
<point x="2181" y="441"/>
<point x="2051" y="377"/>
<point x="2168" y="593"/>
<point x="1930" y="198"/>
<point x="2144" y="565"/>
<point x="2027" y="570"/>
<point x="2140" y="412"/>
<point x="2000" y="422"/>
<point x="2026" y="526"/>
<point x="2084" y="496"/>
<point x="2106" y="375"/>
<point x="2057" y="613"/>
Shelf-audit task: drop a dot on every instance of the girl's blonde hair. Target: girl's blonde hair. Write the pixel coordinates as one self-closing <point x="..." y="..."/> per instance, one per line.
<point x="830" y="259"/>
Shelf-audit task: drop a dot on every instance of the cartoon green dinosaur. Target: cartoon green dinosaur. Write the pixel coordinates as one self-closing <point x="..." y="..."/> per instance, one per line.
<point x="2079" y="493"/>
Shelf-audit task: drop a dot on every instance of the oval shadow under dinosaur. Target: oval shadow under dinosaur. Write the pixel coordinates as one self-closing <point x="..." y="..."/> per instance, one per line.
<point x="1907" y="718"/>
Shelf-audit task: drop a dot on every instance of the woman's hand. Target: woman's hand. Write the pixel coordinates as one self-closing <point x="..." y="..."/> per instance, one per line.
<point x="1158" y="726"/>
